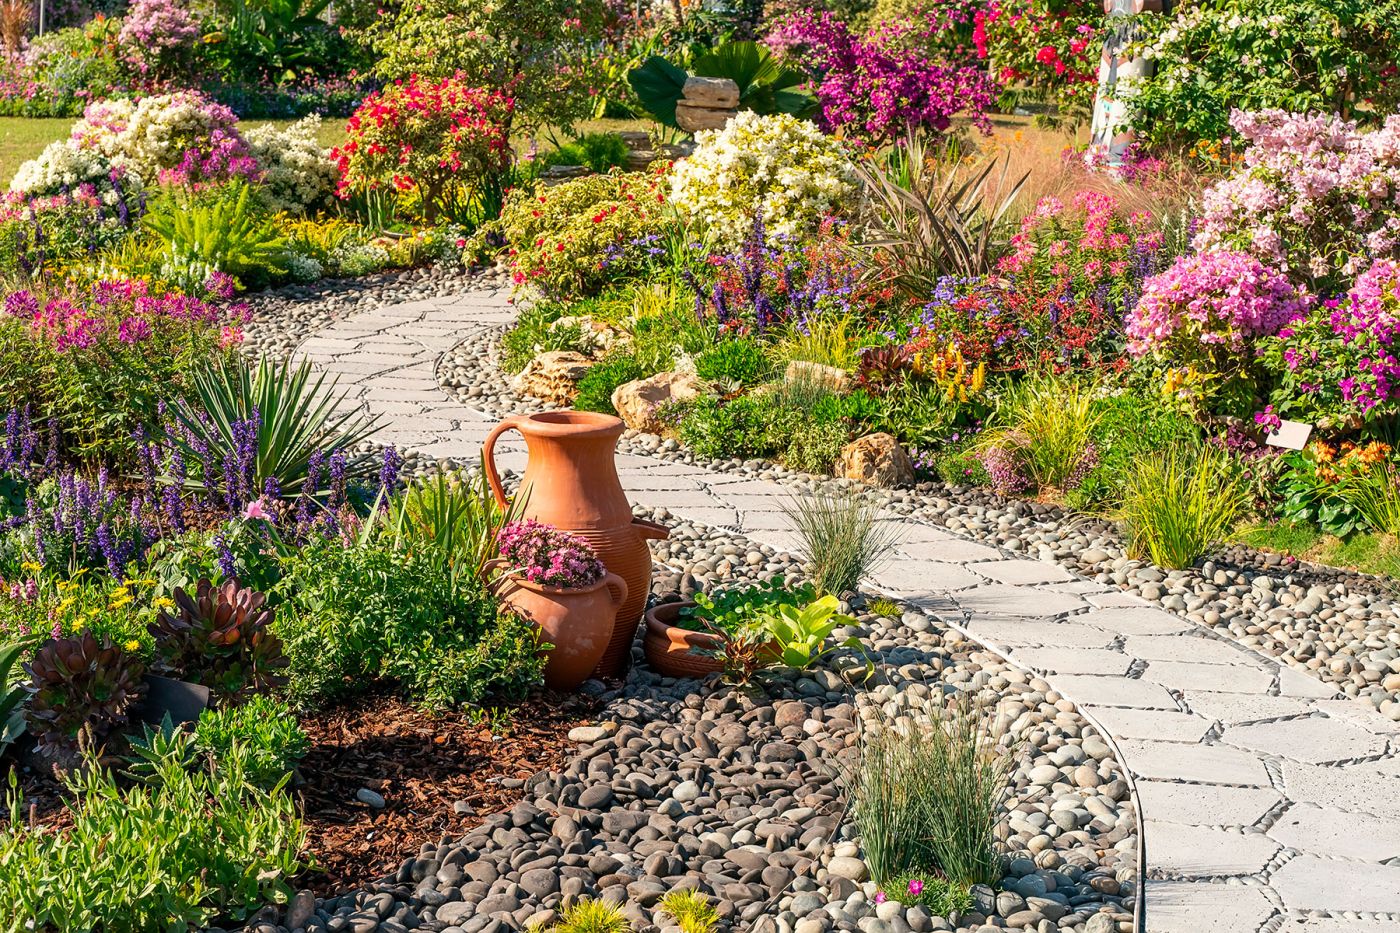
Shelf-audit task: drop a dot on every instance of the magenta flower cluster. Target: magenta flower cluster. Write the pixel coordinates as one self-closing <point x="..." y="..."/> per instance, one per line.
<point x="545" y="555"/>
<point x="876" y="85"/>
<point x="1212" y="300"/>
<point x="156" y="31"/>
<point x="228" y="157"/>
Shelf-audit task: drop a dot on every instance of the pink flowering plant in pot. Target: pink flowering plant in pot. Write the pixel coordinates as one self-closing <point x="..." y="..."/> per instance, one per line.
<point x="556" y="581"/>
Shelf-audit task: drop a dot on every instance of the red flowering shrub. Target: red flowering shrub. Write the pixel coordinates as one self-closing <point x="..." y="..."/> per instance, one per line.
<point x="1052" y="47"/>
<point x="444" y="141"/>
<point x="570" y="239"/>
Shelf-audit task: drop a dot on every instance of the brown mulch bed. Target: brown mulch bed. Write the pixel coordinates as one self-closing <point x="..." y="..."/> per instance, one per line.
<point x="421" y="764"/>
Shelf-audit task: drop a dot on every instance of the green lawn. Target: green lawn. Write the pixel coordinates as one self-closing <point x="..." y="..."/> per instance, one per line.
<point x="1368" y="553"/>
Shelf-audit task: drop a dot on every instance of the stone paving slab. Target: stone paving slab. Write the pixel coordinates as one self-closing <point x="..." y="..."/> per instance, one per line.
<point x="1214" y="735"/>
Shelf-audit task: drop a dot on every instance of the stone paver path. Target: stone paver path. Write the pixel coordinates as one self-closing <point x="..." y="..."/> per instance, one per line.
<point x="1268" y="801"/>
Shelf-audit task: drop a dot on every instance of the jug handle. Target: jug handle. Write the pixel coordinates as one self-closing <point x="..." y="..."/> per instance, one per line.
<point x="488" y="459"/>
<point x="617" y="588"/>
<point x="651" y="530"/>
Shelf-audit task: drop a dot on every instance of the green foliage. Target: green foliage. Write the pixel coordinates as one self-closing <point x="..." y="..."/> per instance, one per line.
<point x="734" y="361"/>
<point x="592" y="916"/>
<point x="449" y="519"/>
<point x="296" y="414"/>
<point x="228" y="232"/>
<point x="765" y="86"/>
<point x="595" y="389"/>
<point x="692" y="912"/>
<point x="733" y="609"/>
<point x="533" y="333"/>
<point x="1375" y="495"/>
<point x="843" y="538"/>
<point x="1046" y="431"/>
<point x="183" y="850"/>
<point x="156" y="747"/>
<point x="743" y="427"/>
<point x="799" y="634"/>
<point x="280" y="39"/>
<point x="1126" y="426"/>
<point x="928" y="791"/>
<point x="351" y="615"/>
<point x="12" y="695"/>
<point x="1303" y="55"/>
<point x="937" y="895"/>
<point x="262" y="737"/>
<point x="815" y="445"/>
<point x="1179" y="503"/>
<point x="599" y="152"/>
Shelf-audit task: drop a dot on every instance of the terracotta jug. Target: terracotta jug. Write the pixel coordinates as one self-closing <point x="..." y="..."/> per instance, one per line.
<point x="578" y="623"/>
<point x="571" y="483"/>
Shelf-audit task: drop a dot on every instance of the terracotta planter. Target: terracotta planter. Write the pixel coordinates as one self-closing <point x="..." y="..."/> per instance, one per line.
<point x="578" y="623"/>
<point x="571" y="483"/>
<point x="671" y="650"/>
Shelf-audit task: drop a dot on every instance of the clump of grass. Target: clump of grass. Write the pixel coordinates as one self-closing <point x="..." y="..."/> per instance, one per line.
<point x="1375" y="494"/>
<point x="825" y="339"/>
<point x="1179" y="503"/>
<point x="592" y="916"/>
<point x="843" y="537"/>
<point x="1047" y="430"/>
<point x="692" y="912"/>
<point x="885" y="607"/>
<point x="929" y="790"/>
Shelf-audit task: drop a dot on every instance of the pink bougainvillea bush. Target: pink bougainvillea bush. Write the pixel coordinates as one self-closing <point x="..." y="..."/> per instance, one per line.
<point x="1315" y="197"/>
<point x="1203" y="315"/>
<point x="1340" y="365"/>
<point x="876" y="85"/>
<point x="443" y="141"/>
<point x="545" y="555"/>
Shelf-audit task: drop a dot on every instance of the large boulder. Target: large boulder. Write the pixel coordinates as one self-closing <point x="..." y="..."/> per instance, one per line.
<point x="637" y="401"/>
<point x="876" y="459"/>
<point x="706" y="103"/>
<point x="553" y="376"/>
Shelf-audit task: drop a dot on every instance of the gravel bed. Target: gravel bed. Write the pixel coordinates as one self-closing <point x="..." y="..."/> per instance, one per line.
<point x="739" y="792"/>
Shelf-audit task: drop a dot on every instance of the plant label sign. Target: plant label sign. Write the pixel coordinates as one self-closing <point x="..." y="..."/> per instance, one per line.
<point x="1292" y="435"/>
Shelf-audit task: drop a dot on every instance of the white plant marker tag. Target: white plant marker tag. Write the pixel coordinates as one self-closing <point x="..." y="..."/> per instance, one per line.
<point x="1292" y="435"/>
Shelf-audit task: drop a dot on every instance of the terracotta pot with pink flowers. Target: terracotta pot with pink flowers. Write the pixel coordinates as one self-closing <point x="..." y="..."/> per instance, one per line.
<point x="556" y="581"/>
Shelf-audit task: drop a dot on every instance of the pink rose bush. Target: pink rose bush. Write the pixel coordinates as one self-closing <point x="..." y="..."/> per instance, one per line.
<point x="1316" y="197"/>
<point x="1339" y="364"/>
<point x="547" y="556"/>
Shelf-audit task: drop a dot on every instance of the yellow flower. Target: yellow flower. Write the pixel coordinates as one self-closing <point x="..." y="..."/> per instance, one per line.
<point x="30" y="567"/>
<point x="120" y="601"/>
<point x="132" y="645"/>
<point x="164" y="602"/>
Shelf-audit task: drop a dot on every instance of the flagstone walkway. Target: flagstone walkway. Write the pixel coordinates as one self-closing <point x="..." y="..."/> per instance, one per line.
<point x="1270" y="804"/>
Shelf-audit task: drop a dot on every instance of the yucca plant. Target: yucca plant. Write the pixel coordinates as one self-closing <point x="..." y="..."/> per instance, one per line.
<point x="929" y="790"/>
<point x="928" y="218"/>
<point x="843" y="538"/>
<point x="11" y="697"/>
<point x="229" y="233"/>
<point x="1179" y="503"/>
<point x="297" y="417"/>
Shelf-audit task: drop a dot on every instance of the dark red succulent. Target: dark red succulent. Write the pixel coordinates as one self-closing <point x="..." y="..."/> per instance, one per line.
<point x="80" y="689"/>
<point x="220" y="637"/>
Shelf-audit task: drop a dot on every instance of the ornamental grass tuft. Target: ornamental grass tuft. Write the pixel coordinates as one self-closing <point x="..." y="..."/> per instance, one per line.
<point x="1178" y="503"/>
<point x="843" y="537"/>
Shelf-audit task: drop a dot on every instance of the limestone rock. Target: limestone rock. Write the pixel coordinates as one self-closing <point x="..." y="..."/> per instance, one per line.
<point x="714" y="93"/>
<point x="876" y="459"/>
<point x="693" y="118"/>
<point x="834" y="379"/>
<point x="553" y="376"/>
<point x="637" y="401"/>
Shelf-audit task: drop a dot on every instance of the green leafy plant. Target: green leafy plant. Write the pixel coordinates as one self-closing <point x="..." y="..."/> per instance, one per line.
<point x="928" y="791"/>
<point x="599" y="152"/>
<point x="732" y="609"/>
<point x="926" y="223"/>
<point x="843" y="538"/>
<point x="220" y="637"/>
<point x="157" y="747"/>
<point x="765" y="86"/>
<point x="738" y="361"/>
<point x="595" y="389"/>
<point x="80" y="689"/>
<point x="800" y="634"/>
<point x="229" y="233"/>
<point x="187" y="848"/>
<point x="691" y="910"/>
<point x="716" y="429"/>
<point x="11" y="698"/>
<point x="450" y="520"/>
<point x="295" y="415"/>
<point x="262" y="735"/>
<point x="1179" y="503"/>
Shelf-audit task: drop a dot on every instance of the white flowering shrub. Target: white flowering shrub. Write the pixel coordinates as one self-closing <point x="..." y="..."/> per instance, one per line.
<point x="182" y="137"/>
<point x="61" y="167"/>
<point x="780" y="165"/>
<point x="298" y="175"/>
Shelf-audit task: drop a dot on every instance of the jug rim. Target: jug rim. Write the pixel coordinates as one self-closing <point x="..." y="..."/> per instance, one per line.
<point x="568" y="422"/>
